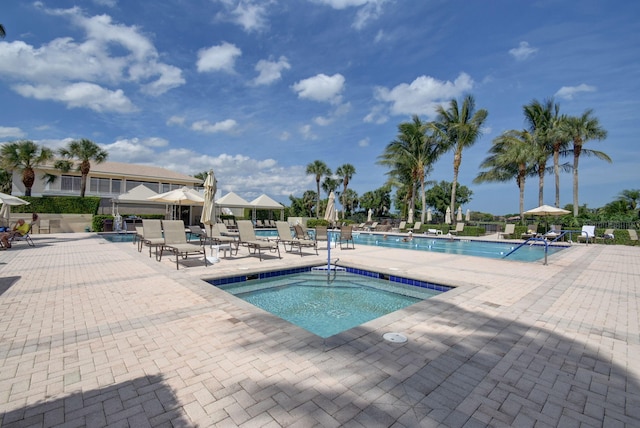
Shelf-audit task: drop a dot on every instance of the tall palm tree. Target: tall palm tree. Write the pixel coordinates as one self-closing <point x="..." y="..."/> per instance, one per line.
<point x="512" y="155"/>
<point x="319" y="169"/>
<point x="84" y="151"/>
<point x="345" y="172"/>
<point x="539" y="117"/>
<point x="330" y="184"/>
<point x="24" y="156"/>
<point x="411" y="157"/>
<point x="459" y="128"/>
<point x="582" y="129"/>
<point x="630" y="198"/>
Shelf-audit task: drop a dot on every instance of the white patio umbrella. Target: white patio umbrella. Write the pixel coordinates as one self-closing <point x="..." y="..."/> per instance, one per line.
<point x="209" y="205"/>
<point x="447" y="216"/>
<point x="179" y="196"/>
<point x="467" y="216"/>
<point x="7" y="201"/>
<point x="410" y="217"/>
<point x="547" y="211"/>
<point x="429" y="216"/>
<point x="459" y="215"/>
<point x="330" y="212"/>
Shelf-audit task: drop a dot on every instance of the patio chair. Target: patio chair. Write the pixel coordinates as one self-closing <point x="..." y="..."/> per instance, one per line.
<point x="606" y="236"/>
<point x="322" y="233"/>
<point x="196" y="230"/>
<point x="301" y="239"/>
<point x="175" y="240"/>
<point x="26" y="237"/>
<point x="532" y="230"/>
<point x="588" y="234"/>
<point x="222" y="227"/>
<point x="372" y="226"/>
<point x="416" y="227"/>
<point x="633" y="236"/>
<point x="509" y="229"/>
<point x="459" y="228"/>
<point x="248" y="239"/>
<point x="346" y="235"/>
<point x="554" y="231"/>
<point x="151" y="235"/>
<point x="43" y="225"/>
<point x="433" y="232"/>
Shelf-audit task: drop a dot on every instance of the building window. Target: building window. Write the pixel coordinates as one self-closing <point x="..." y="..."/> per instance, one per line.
<point x="70" y="183"/>
<point x="100" y="186"/>
<point x="116" y="186"/>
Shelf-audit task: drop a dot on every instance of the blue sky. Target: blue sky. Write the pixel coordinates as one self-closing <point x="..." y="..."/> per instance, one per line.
<point x="257" y="90"/>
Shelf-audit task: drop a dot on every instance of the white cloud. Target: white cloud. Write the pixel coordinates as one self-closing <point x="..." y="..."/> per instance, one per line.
<point x="8" y="131"/>
<point x="340" y="110"/>
<point x="285" y="136"/>
<point x="270" y="71"/>
<point x="420" y="96"/>
<point x="321" y="88"/>
<point x="567" y="92"/>
<point x="212" y="128"/>
<point x="63" y="63"/>
<point x="108" y="3"/>
<point x="364" y="142"/>
<point x="523" y="51"/>
<point x="218" y="58"/>
<point x="376" y="115"/>
<point x="176" y="120"/>
<point x="307" y="133"/>
<point x="250" y="15"/>
<point x="369" y="10"/>
<point x="76" y="95"/>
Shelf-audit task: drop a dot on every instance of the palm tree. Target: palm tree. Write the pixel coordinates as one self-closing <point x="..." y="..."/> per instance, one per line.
<point x="512" y="155"/>
<point x="2" y="32"/>
<point x="411" y="157"/>
<point x="459" y="128"/>
<point x="630" y="198"/>
<point x="83" y="151"/>
<point x="319" y="169"/>
<point x="345" y="172"/>
<point x="582" y="129"/>
<point x="330" y="184"/>
<point x="24" y="156"/>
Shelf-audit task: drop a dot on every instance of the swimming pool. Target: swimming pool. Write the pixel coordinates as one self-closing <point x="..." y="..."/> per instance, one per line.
<point x="324" y="304"/>
<point x="467" y="247"/>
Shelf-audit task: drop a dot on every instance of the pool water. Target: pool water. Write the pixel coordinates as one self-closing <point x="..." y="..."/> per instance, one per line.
<point x="326" y="306"/>
<point x="467" y="247"/>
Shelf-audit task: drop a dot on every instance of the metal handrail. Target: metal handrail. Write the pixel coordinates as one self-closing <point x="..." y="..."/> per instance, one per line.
<point x="546" y="247"/>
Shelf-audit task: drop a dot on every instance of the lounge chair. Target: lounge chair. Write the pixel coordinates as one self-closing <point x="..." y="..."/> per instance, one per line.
<point x="532" y="230"/>
<point x="553" y="232"/>
<point x="588" y="234"/>
<point x="26" y="237"/>
<point x="361" y="226"/>
<point x="346" y="235"/>
<point x="248" y="239"/>
<point x="259" y="223"/>
<point x="222" y="227"/>
<point x="151" y="235"/>
<point x="175" y="240"/>
<point x="509" y="229"/>
<point x="402" y="225"/>
<point x="322" y="233"/>
<point x="433" y="232"/>
<point x="372" y="226"/>
<point x="606" y="236"/>
<point x="300" y="240"/>
<point x="459" y="228"/>
<point x="633" y="236"/>
<point x="197" y="231"/>
<point x="416" y="227"/>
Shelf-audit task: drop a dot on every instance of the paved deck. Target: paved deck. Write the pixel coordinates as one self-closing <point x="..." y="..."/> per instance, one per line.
<point x="94" y="333"/>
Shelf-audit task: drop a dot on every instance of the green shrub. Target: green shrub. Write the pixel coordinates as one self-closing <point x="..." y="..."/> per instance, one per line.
<point x="59" y="205"/>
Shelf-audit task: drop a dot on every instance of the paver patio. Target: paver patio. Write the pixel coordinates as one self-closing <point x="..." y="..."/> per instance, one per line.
<point x="93" y="333"/>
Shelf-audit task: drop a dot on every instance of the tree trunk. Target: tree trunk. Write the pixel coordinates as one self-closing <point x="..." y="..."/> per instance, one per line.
<point x="556" y="172"/>
<point x="318" y="205"/>
<point x="541" y="172"/>
<point x="456" y="168"/>
<point x="576" y="158"/>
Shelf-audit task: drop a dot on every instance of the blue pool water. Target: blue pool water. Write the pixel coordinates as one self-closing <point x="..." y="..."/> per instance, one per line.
<point x="467" y="247"/>
<point x="324" y="306"/>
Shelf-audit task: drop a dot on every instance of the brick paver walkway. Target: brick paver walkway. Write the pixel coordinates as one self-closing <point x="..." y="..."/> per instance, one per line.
<point x="96" y="334"/>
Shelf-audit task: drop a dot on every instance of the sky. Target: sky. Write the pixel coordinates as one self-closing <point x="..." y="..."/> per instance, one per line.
<point x="258" y="89"/>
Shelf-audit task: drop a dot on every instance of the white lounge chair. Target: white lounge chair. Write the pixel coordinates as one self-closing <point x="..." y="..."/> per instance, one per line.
<point x="509" y="229"/>
<point x="151" y="236"/>
<point x="588" y="234"/>
<point x="175" y="240"/>
<point x="459" y="228"/>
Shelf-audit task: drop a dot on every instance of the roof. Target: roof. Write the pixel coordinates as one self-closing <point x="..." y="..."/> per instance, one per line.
<point x="233" y="200"/>
<point x="140" y="193"/>
<point x="265" y="202"/>
<point x="139" y="172"/>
